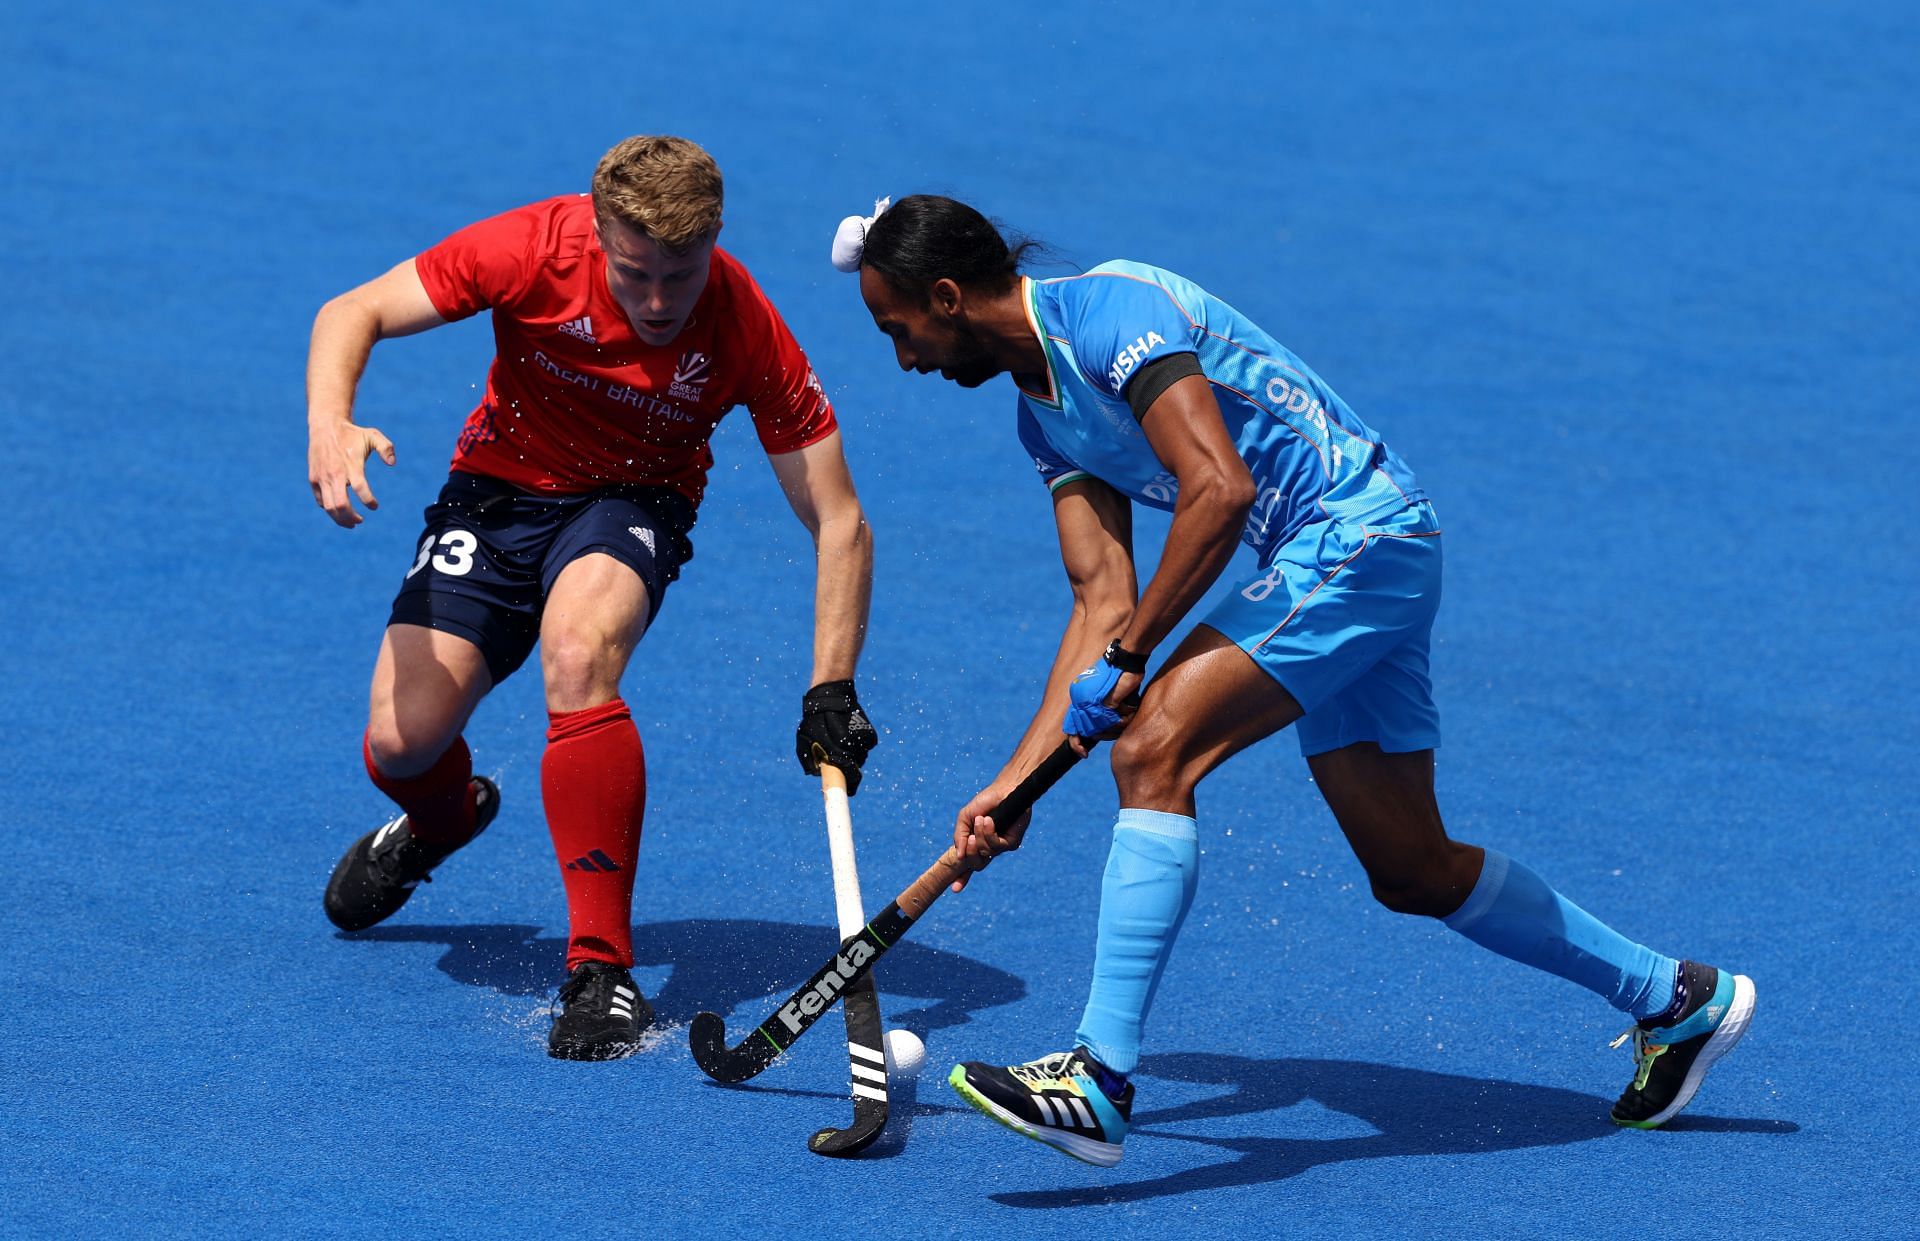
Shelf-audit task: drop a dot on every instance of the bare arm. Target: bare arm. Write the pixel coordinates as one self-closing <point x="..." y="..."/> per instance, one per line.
<point x="1190" y="437"/>
<point x="1095" y="524"/>
<point x="820" y="489"/>
<point x="344" y="332"/>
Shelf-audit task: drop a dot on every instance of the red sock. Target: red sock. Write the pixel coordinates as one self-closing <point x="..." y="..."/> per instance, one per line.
<point x="594" y="779"/>
<point x="439" y="801"/>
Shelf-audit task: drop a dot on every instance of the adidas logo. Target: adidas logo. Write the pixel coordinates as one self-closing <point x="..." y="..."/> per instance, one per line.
<point x="581" y="329"/>
<point x="621" y="1005"/>
<point x="594" y="863"/>
<point x="1714" y="1011"/>
<point x="1078" y="1118"/>
<point x="643" y="534"/>
<point x="875" y="1070"/>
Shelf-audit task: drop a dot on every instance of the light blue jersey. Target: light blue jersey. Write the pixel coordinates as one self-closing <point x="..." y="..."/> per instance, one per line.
<point x="1311" y="457"/>
<point x="1340" y="610"/>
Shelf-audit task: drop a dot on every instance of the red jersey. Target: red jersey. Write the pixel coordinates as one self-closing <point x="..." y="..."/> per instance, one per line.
<point x="575" y="401"/>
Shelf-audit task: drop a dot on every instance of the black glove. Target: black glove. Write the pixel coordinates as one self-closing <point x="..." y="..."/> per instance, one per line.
<point x="833" y="729"/>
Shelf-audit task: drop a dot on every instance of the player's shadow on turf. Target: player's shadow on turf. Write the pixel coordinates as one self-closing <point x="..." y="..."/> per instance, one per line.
<point x="1410" y="1112"/>
<point x="717" y="965"/>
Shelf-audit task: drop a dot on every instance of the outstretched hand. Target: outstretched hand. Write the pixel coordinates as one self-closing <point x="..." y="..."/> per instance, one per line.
<point x="337" y="468"/>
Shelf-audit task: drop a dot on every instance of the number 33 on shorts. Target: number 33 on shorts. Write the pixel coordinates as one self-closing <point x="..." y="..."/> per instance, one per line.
<point x="455" y="556"/>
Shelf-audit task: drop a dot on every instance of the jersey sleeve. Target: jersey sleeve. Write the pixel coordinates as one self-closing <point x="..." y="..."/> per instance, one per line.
<point x="789" y="406"/>
<point x="483" y="265"/>
<point x="1055" y="470"/>
<point x="1121" y="322"/>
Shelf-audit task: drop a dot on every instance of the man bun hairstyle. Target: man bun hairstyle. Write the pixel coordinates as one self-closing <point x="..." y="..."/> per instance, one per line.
<point x="928" y="237"/>
<point x="668" y="188"/>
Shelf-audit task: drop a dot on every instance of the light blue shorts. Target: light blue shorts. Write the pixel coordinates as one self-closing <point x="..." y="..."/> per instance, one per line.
<point x="1341" y="616"/>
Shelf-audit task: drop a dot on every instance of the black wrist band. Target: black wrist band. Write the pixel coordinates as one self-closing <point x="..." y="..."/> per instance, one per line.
<point x="1124" y="659"/>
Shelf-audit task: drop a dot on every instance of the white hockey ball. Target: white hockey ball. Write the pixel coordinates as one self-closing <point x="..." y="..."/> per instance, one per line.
<point x="906" y="1054"/>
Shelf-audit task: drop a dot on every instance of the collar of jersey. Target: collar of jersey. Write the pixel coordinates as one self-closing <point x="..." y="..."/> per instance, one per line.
<point x="1030" y="303"/>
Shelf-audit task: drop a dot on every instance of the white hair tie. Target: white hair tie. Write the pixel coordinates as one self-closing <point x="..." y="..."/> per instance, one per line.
<point x="850" y="239"/>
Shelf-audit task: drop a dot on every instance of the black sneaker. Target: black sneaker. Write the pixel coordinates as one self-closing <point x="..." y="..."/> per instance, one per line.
<point x="1670" y="1061"/>
<point x="1056" y="1099"/>
<point x="602" y="1014"/>
<point x="380" y="871"/>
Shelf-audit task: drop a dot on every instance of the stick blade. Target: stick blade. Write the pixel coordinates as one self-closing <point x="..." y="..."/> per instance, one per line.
<point x="869" y="1118"/>
<point x="707" y="1035"/>
<point x="867" y="1068"/>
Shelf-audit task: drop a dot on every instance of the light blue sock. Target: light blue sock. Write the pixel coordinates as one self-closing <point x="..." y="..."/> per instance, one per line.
<point x="1151" y="872"/>
<point x="1513" y="912"/>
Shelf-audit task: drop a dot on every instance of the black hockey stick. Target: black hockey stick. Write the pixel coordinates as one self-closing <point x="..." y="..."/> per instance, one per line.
<point x="866" y="1036"/>
<point x="857" y="954"/>
<point x="867" y="1065"/>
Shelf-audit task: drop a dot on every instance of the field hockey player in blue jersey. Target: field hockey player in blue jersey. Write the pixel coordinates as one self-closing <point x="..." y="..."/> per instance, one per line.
<point x="1136" y="386"/>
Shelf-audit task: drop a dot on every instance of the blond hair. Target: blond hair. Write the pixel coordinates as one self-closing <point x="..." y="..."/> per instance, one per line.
<point x="668" y="188"/>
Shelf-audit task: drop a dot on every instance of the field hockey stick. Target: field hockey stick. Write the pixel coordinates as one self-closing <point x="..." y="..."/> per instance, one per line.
<point x="866" y="1054"/>
<point x="858" y="952"/>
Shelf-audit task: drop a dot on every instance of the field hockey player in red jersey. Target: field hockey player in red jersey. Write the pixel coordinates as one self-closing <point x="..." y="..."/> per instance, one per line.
<point x="622" y="335"/>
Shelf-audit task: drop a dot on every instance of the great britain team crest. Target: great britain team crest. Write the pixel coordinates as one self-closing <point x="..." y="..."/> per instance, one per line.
<point x="690" y="376"/>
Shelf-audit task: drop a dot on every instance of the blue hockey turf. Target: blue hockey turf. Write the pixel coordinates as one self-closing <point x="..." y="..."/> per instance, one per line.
<point x="1633" y="288"/>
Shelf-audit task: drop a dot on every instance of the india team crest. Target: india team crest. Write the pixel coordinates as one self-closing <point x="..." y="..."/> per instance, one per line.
<point x="690" y="376"/>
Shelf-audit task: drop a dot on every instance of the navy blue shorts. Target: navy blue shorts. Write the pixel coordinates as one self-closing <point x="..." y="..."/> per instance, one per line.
<point x="491" y="551"/>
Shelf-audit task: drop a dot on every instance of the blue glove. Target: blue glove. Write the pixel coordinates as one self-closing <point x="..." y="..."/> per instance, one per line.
<point x="1088" y="714"/>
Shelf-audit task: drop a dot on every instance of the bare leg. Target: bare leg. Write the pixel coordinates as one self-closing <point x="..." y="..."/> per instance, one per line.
<point x="1207" y="704"/>
<point x="594" y="617"/>
<point x="1386" y="807"/>
<point x="425" y="686"/>
<point x="1385" y="804"/>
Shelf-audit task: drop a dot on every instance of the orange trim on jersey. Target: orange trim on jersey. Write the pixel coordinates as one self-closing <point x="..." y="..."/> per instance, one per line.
<point x="1320" y="449"/>
<point x="1033" y="321"/>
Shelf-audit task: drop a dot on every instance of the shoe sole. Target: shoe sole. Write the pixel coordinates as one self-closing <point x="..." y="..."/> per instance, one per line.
<point x="1086" y="1150"/>
<point x="592" y="1052"/>
<point x="602" y="1049"/>
<point x="1725" y="1035"/>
